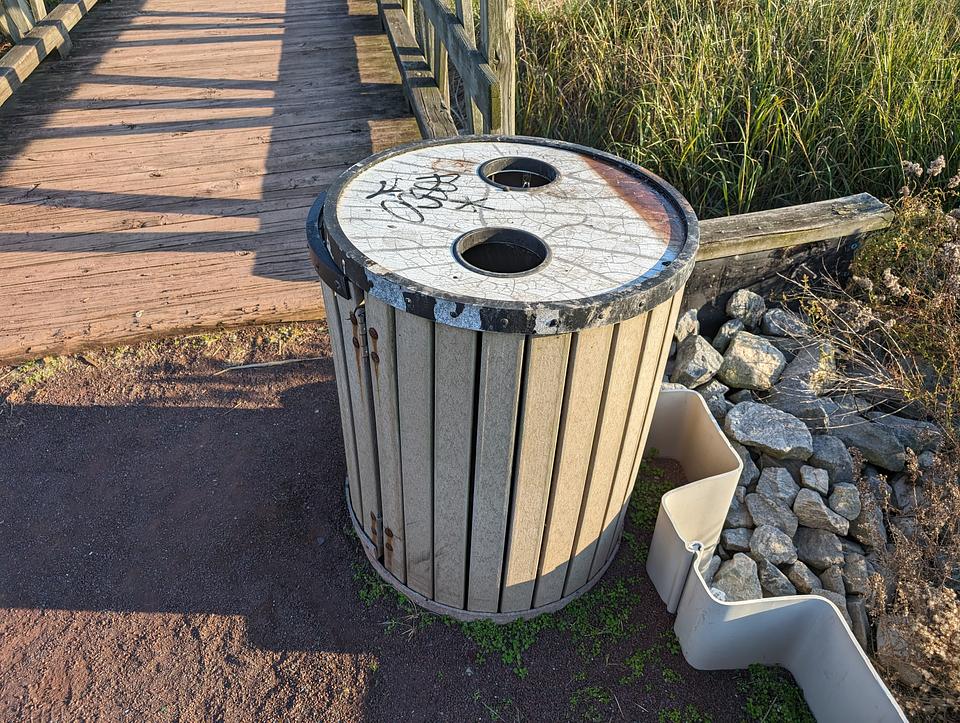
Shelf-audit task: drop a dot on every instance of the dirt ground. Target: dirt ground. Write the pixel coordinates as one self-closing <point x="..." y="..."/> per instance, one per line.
<point x="174" y="545"/>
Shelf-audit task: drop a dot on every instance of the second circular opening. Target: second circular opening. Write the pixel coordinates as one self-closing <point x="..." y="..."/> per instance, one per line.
<point x="518" y="173"/>
<point x="501" y="251"/>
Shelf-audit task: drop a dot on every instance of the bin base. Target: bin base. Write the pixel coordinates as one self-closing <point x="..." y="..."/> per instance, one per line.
<point x="370" y="550"/>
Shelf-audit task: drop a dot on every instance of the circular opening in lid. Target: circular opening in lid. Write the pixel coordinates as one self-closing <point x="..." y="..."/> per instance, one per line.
<point x="518" y="173"/>
<point x="496" y="251"/>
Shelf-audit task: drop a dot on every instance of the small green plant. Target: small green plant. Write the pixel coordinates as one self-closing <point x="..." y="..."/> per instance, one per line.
<point x="773" y="697"/>
<point x="670" y="641"/>
<point x="591" y="703"/>
<point x="671" y="676"/>
<point x="689" y="714"/>
<point x="509" y="641"/>
<point x="645" y="500"/>
<point x="637" y="663"/>
<point x="602" y="615"/>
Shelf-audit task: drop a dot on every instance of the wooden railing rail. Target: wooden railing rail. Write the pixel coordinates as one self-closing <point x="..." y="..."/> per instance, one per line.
<point x="35" y="34"/>
<point x="428" y="36"/>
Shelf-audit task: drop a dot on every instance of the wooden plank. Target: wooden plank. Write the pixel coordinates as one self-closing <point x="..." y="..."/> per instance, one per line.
<point x="498" y="41"/>
<point x="419" y="85"/>
<point x="589" y="352"/>
<point x="455" y="369"/>
<point x="381" y="339"/>
<point x="479" y="81"/>
<point x="37" y="9"/>
<point x="544" y="374"/>
<point x="21" y="60"/>
<point x="335" y="332"/>
<point x="501" y="364"/>
<point x="792" y="226"/>
<point x="472" y="115"/>
<point x="620" y="373"/>
<point x="661" y="322"/>
<point x="352" y="323"/>
<point x="415" y="355"/>
<point x="19" y="21"/>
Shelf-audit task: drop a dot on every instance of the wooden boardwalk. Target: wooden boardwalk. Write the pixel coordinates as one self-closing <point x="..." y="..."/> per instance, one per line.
<point x="158" y="179"/>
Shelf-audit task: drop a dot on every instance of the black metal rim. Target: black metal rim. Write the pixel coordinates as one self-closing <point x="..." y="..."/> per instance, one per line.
<point x="536" y="318"/>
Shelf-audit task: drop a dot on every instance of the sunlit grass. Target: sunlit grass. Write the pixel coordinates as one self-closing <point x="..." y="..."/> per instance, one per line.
<point x="748" y="104"/>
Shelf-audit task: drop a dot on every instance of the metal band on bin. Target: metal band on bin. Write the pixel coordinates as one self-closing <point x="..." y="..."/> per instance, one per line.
<point x="620" y="239"/>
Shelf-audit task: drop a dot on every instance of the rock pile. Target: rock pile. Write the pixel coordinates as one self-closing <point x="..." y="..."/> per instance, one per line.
<point x="797" y="523"/>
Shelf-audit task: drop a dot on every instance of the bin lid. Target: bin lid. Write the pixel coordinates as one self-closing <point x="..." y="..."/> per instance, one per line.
<point x="510" y="234"/>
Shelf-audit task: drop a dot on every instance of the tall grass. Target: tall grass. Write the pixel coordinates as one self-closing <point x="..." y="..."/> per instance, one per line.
<point x="748" y="104"/>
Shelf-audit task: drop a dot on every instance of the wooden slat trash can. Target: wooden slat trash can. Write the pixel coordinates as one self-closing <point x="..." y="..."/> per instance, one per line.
<point x="500" y="311"/>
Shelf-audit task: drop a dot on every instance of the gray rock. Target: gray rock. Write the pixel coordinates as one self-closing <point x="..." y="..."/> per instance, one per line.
<point x="746" y="306"/>
<point x="718" y="406"/>
<point x="906" y="496"/>
<point x="859" y="621"/>
<point x="814" y="366"/>
<point x="791" y="465"/>
<point x="738" y="515"/>
<point x="750" y="472"/>
<point x="832" y="579"/>
<point x="670" y="386"/>
<point x="777" y="433"/>
<point x="773" y="582"/>
<point x="781" y="322"/>
<point x="831" y="454"/>
<point x="711" y="570"/>
<point x="802" y="577"/>
<point x="712" y="389"/>
<point x="797" y="398"/>
<point x="852" y="404"/>
<point x="765" y="511"/>
<point x="721" y="553"/>
<point x="878" y="445"/>
<point x="718" y="594"/>
<point x="918" y="436"/>
<point x="788" y="346"/>
<point x="811" y="511"/>
<point x="818" y="548"/>
<point x="696" y="362"/>
<point x="687" y="324"/>
<point x="751" y="363"/>
<point x="868" y="527"/>
<point x="839" y="600"/>
<point x="856" y="578"/>
<point x="777" y="483"/>
<point x="815" y="479"/>
<point x="851" y="546"/>
<point x="770" y="543"/>
<point x="737" y="578"/>
<point x="729" y="330"/>
<point x="907" y="524"/>
<point x="925" y="460"/>
<point x="845" y="501"/>
<point x="736" y="539"/>
<point x="743" y="395"/>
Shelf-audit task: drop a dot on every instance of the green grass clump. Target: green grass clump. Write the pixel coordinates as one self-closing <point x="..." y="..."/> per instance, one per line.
<point x="773" y="697"/>
<point x="747" y="104"/>
<point x="591" y="703"/>
<point x="509" y="641"/>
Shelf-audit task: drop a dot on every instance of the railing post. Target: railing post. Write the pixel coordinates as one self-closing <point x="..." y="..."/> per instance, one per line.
<point x="498" y="35"/>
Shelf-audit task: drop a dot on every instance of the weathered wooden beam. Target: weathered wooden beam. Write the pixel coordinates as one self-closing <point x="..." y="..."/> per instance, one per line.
<point x="419" y="85"/>
<point x="51" y="33"/>
<point x="38" y="9"/>
<point x="17" y="19"/>
<point x="479" y="81"/>
<point x="768" y="251"/>
<point x="792" y="226"/>
<point x="498" y="30"/>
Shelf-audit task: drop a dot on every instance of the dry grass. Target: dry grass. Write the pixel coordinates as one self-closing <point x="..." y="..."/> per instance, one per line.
<point x="897" y="329"/>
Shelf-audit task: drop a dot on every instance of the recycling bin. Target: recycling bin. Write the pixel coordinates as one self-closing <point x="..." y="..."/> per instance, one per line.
<point x="500" y="313"/>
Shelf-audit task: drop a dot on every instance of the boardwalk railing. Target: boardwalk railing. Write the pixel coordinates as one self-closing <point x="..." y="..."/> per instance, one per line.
<point x="35" y="34"/>
<point x="434" y="44"/>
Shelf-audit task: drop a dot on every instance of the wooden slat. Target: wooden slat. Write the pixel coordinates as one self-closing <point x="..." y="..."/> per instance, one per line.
<point x="620" y="373"/>
<point x="419" y="85"/>
<point x="498" y="40"/>
<point x="792" y="226"/>
<point x="455" y="368"/>
<point x="544" y="374"/>
<point x="583" y="391"/>
<point x="415" y="390"/>
<point x="21" y="60"/>
<point x="19" y="20"/>
<point x="501" y="362"/>
<point x="381" y="340"/>
<point x="361" y="400"/>
<point x="335" y="332"/>
<point x="473" y="117"/>
<point x="38" y="9"/>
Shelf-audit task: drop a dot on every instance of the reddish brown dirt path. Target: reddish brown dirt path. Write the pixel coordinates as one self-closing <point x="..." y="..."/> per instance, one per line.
<point x="174" y="546"/>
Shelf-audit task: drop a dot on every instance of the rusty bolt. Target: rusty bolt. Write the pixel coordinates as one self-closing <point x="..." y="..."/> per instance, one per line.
<point x="375" y="357"/>
<point x="388" y="532"/>
<point x="373" y="333"/>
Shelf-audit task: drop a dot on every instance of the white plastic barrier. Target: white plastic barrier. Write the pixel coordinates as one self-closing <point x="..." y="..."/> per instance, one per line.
<point x="805" y="634"/>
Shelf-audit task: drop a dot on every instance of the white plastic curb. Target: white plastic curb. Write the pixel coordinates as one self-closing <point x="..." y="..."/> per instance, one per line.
<point x="803" y="633"/>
